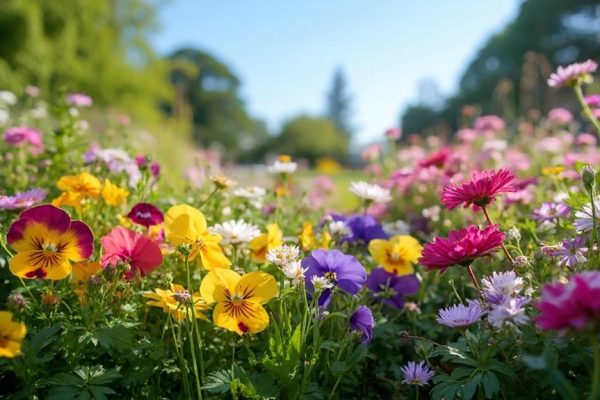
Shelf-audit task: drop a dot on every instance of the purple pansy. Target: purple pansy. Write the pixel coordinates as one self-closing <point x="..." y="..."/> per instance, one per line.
<point x="362" y="321"/>
<point x="363" y="228"/>
<point x="391" y="288"/>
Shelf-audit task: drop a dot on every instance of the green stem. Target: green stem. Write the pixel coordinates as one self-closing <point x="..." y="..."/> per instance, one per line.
<point x="182" y="362"/>
<point x="190" y="329"/>
<point x="585" y="108"/>
<point x="506" y="253"/>
<point x="209" y="197"/>
<point x="595" y="392"/>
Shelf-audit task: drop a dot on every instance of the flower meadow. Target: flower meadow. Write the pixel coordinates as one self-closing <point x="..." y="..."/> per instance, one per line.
<point x="469" y="269"/>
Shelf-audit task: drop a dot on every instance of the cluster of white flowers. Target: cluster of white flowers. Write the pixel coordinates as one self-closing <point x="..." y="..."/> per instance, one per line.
<point x="287" y="258"/>
<point x="502" y="292"/>
<point x="283" y="167"/>
<point x="236" y="231"/>
<point x="253" y="194"/>
<point x="370" y="192"/>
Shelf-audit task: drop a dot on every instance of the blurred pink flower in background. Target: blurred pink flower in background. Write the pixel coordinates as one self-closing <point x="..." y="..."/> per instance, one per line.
<point x="560" y="116"/>
<point x="550" y="145"/>
<point x="32" y="91"/>
<point x="22" y="135"/>
<point x="371" y="152"/>
<point x="393" y="133"/>
<point x="79" y="100"/>
<point x="487" y="124"/>
<point x="586" y="139"/>
<point x="466" y="135"/>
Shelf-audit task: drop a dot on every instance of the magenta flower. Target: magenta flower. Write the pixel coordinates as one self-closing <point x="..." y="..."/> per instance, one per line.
<point x="572" y="74"/>
<point x="79" y="100"/>
<point x="393" y="133"/>
<point x="572" y="306"/>
<point x="23" y="135"/>
<point x="461" y="247"/>
<point x="22" y="199"/>
<point x="122" y="246"/>
<point x="437" y="159"/>
<point x="592" y="100"/>
<point x="481" y="190"/>
<point x="417" y="374"/>
<point x="461" y="315"/>
<point x="146" y="214"/>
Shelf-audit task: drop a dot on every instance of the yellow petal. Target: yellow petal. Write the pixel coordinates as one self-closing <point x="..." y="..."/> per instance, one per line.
<point x="213" y="257"/>
<point x="20" y="265"/>
<point x="184" y="224"/>
<point x="257" y="287"/>
<point x="378" y="250"/>
<point x="216" y="282"/>
<point x="254" y="318"/>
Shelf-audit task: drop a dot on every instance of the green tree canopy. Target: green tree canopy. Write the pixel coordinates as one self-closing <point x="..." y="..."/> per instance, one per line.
<point x="339" y="104"/>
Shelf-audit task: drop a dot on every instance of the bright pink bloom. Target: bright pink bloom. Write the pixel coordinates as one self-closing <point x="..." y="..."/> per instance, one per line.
<point x="489" y="124"/>
<point x="592" y="100"/>
<point x="437" y="159"/>
<point x="22" y="134"/>
<point x="122" y="246"/>
<point x="480" y="191"/>
<point x="570" y="74"/>
<point x="146" y="214"/>
<point x="461" y="247"/>
<point x="575" y="305"/>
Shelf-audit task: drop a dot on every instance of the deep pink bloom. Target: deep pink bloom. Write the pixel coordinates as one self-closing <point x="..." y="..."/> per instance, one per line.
<point x="480" y="191"/>
<point x="122" y="246"/>
<point x="22" y="134"/>
<point x="461" y="247"/>
<point x="570" y="74"/>
<point x="586" y="139"/>
<point x="141" y="160"/>
<point x="571" y="306"/>
<point x="437" y="159"/>
<point x="592" y="100"/>
<point x="489" y="124"/>
<point x="79" y="100"/>
<point x="146" y="214"/>
<point x="155" y="169"/>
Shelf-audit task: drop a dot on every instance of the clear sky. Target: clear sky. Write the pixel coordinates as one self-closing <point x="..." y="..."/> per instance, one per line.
<point x="285" y="52"/>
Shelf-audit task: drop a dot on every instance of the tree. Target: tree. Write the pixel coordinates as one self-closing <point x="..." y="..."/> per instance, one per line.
<point x="207" y="92"/>
<point x="339" y="104"/>
<point x="311" y="138"/>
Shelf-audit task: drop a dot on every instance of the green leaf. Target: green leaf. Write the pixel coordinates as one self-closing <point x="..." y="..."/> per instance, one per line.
<point x="471" y="387"/>
<point x="338" y="368"/>
<point x="491" y="385"/>
<point x="218" y="382"/>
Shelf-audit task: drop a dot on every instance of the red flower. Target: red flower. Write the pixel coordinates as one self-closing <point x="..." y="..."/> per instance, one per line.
<point x="146" y="214"/>
<point x="480" y="190"/>
<point x="461" y="247"/>
<point x="122" y="246"/>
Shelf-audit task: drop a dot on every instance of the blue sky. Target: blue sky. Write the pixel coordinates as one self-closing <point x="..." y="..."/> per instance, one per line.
<point x="286" y="52"/>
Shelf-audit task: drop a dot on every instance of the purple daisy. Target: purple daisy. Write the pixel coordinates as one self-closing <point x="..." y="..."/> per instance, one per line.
<point x="339" y="269"/>
<point x="572" y="74"/>
<point x="23" y="199"/>
<point x="391" y="288"/>
<point x="572" y="252"/>
<point x="362" y="321"/>
<point x="417" y="373"/>
<point x="460" y="315"/>
<point x="549" y="212"/>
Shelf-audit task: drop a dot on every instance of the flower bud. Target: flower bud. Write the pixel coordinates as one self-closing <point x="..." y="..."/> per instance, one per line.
<point x="521" y="261"/>
<point x="16" y="301"/>
<point x="588" y="176"/>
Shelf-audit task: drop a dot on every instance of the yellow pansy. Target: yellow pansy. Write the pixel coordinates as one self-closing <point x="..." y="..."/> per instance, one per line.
<point x="260" y="245"/>
<point x="239" y="299"/>
<point x="70" y="199"/>
<point x="174" y="302"/>
<point x="308" y="241"/>
<point x="85" y="184"/>
<point x="396" y="255"/>
<point x="553" y="170"/>
<point x="186" y="225"/>
<point x="112" y="194"/>
<point x="11" y="335"/>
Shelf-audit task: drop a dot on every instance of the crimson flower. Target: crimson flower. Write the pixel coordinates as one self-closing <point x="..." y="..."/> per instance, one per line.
<point x="146" y="214"/>
<point x="122" y="246"/>
<point x="461" y="247"/>
<point x="481" y="190"/>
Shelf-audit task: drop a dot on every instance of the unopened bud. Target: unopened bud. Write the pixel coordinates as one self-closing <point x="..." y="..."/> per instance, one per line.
<point x="588" y="176"/>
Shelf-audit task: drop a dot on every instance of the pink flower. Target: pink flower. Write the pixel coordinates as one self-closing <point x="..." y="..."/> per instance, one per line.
<point x="489" y="124"/>
<point x="466" y="135"/>
<point x="592" y="100"/>
<point x="32" y="91"/>
<point x="79" y="100"/>
<point x="480" y="191"/>
<point x="122" y="246"/>
<point x="371" y="152"/>
<point x="20" y="135"/>
<point x="393" y="133"/>
<point x="437" y="159"/>
<point x="586" y="139"/>
<point x="572" y="74"/>
<point x="461" y="247"/>
<point x="571" y="306"/>
<point x="146" y="214"/>
<point x="560" y="116"/>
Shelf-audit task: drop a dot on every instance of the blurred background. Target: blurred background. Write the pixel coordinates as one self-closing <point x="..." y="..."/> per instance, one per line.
<point x="248" y="80"/>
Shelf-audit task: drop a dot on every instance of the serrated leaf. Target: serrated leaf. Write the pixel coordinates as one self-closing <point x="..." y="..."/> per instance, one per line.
<point x="218" y="382"/>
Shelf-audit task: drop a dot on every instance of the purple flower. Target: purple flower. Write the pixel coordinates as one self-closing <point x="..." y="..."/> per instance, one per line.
<point x="572" y="252"/>
<point x="417" y="374"/>
<point x="592" y="100"/>
<point x="501" y="286"/>
<point x="460" y="315"/>
<point x="155" y="169"/>
<point x="23" y="199"/>
<point x="341" y="270"/>
<point x="511" y="312"/>
<point x="146" y="214"/>
<point x="79" y="100"/>
<point x="549" y="212"/>
<point x="362" y="321"/>
<point x="363" y="228"/>
<point x="391" y="288"/>
<point x="572" y="74"/>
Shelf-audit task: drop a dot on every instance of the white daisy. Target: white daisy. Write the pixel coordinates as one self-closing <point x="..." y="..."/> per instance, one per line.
<point x="283" y="255"/>
<point x="320" y="283"/>
<point x="283" y="165"/>
<point x="236" y="231"/>
<point x="370" y="192"/>
<point x="294" y="272"/>
<point x="250" y="192"/>
<point x="584" y="220"/>
<point x="338" y="228"/>
<point x="398" y="227"/>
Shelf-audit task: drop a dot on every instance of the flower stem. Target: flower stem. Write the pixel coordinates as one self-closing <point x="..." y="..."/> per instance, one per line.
<point x="585" y="108"/>
<point x="504" y="249"/>
<point x="191" y="327"/>
<point x="595" y="392"/>
<point x="473" y="277"/>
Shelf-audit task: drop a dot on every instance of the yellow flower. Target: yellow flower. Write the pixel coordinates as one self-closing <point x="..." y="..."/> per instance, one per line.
<point x="185" y="225"/>
<point x="124" y="221"/>
<point x="260" y="245"/>
<point x="327" y="165"/>
<point x="552" y="170"/>
<point x="308" y="241"/>
<point x="70" y="199"/>
<point x="83" y="271"/>
<point x="85" y="184"/>
<point x="11" y="335"/>
<point x="112" y="194"/>
<point x="239" y="299"/>
<point x="223" y="182"/>
<point x="174" y="302"/>
<point x="397" y="254"/>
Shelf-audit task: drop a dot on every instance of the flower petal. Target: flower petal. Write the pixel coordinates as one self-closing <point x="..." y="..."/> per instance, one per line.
<point x="257" y="287"/>
<point x="217" y="284"/>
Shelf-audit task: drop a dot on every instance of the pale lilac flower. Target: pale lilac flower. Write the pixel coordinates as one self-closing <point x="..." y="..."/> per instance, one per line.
<point x="460" y="315"/>
<point x="572" y="252"/>
<point x="79" y="100"/>
<point x="584" y="219"/>
<point x="23" y="199"/>
<point x="501" y="286"/>
<point x="550" y="212"/>
<point x="509" y="313"/>
<point x="573" y="73"/>
<point x="417" y="373"/>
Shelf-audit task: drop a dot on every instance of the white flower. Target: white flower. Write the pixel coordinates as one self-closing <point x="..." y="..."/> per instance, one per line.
<point x="320" y="283"/>
<point x="4" y="116"/>
<point x="283" y="167"/>
<point x="398" y="227"/>
<point x="584" y="220"/>
<point x="250" y="192"/>
<point x="7" y="98"/>
<point x="501" y="285"/>
<point x="226" y="211"/>
<point x="511" y="312"/>
<point x="295" y="272"/>
<point x="39" y="112"/>
<point x="432" y="213"/>
<point x="283" y="255"/>
<point x="338" y="228"/>
<point x="236" y="231"/>
<point x="370" y="192"/>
